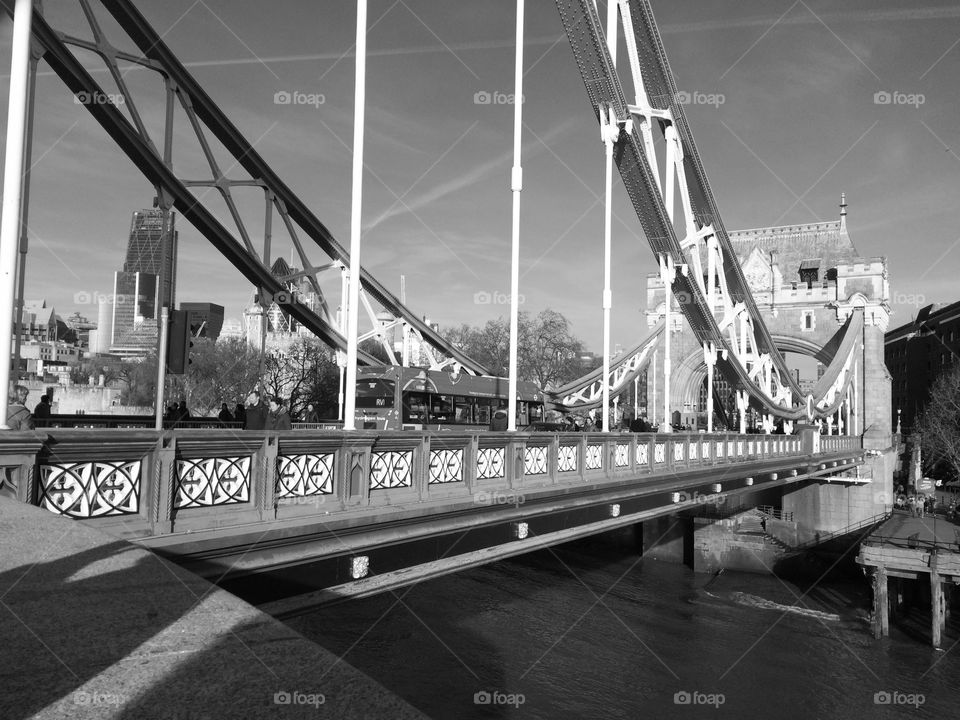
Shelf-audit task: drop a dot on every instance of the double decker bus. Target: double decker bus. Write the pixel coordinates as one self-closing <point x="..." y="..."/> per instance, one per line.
<point x="394" y="398"/>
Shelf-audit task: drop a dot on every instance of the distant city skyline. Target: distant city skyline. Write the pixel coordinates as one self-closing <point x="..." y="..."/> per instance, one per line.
<point x="791" y="104"/>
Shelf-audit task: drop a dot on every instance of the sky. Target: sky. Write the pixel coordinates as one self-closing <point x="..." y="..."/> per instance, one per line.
<point x="788" y="112"/>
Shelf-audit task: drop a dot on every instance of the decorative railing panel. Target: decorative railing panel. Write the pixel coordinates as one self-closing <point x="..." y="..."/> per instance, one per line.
<point x="567" y="458"/>
<point x="692" y="451"/>
<point x="594" y="457"/>
<point x="677" y="451"/>
<point x="621" y="457"/>
<point x="643" y="454"/>
<point x="391" y="469"/>
<point x="304" y="475"/>
<point x="205" y="482"/>
<point x="490" y="463"/>
<point x="91" y="489"/>
<point x="660" y="452"/>
<point x="446" y="466"/>
<point x="535" y="460"/>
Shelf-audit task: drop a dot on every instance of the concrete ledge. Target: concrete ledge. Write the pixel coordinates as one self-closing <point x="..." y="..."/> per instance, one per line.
<point x="95" y="627"/>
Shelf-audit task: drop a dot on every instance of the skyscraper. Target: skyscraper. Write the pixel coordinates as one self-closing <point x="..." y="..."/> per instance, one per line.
<point x="147" y="281"/>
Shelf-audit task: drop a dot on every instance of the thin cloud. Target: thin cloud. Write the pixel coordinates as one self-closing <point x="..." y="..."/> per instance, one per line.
<point x="906" y="15"/>
<point x="464" y="180"/>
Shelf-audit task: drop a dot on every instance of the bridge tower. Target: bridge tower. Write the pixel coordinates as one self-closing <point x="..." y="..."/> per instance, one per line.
<point x="807" y="281"/>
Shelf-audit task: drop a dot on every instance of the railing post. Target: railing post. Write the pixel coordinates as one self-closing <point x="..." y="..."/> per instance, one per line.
<point x="421" y="468"/>
<point x="164" y="483"/>
<point x="266" y="476"/>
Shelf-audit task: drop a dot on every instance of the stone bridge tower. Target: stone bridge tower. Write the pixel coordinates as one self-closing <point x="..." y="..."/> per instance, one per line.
<point x="807" y="280"/>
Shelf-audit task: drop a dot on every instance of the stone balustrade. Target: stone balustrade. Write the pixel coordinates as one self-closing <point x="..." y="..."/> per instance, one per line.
<point x="137" y="483"/>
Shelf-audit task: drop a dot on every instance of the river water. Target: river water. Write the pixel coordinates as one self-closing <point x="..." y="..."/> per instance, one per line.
<point x="590" y="630"/>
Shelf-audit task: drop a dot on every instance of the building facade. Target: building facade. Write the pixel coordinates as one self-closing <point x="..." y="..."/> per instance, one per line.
<point x="146" y="283"/>
<point x="916" y="353"/>
<point x="206" y="319"/>
<point x="806" y="281"/>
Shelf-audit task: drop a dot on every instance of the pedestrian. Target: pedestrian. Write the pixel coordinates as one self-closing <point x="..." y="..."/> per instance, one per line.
<point x="224" y="414"/>
<point x="278" y="418"/>
<point x="42" y="410"/>
<point x="18" y="417"/>
<point x="182" y="412"/>
<point x="240" y="413"/>
<point x="255" y="416"/>
<point x="311" y="415"/>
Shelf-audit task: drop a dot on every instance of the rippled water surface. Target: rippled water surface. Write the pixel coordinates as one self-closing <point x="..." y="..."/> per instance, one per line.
<point x="588" y="630"/>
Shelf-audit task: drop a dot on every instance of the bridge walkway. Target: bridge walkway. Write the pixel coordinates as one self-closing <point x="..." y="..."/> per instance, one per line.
<point x="94" y="626"/>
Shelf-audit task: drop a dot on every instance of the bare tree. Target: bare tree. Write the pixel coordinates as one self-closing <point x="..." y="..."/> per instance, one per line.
<point x="306" y="372"/>
<point x="548" y="353"/>
<point x="940" y="424"/>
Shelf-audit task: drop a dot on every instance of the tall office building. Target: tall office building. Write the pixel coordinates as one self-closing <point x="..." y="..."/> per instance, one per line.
<point x="146" y="283"/>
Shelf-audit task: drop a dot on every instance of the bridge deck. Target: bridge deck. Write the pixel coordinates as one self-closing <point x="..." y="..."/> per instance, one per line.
<point x="232" y="504"/>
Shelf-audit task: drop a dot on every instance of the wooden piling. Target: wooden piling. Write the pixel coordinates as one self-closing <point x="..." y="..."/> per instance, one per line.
<point x="937" y="619"/>
<point x="881" y="622"/>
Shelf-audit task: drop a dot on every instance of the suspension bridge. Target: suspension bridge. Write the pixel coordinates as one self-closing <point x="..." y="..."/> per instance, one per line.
<point x="362" y="510"/>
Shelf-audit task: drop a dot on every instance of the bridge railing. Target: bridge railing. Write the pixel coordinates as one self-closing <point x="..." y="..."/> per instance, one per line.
<point x="839" y="443"/>
<point x="140" y="482"/>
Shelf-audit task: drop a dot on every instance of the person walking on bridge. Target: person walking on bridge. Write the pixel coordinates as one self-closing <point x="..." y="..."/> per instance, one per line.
<point x="42" y="410"/>
<point x="256" y="413"/>
<point x="278" y="418"/>
<point x="18" y="417"/>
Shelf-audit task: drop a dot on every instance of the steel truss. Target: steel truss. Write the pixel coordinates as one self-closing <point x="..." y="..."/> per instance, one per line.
<point x="717" y="303"/>
<point x="205" y="117"/>
<point x="586" y="393"/>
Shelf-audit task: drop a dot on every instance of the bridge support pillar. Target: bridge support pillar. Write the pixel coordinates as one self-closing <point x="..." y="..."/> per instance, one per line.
<point x="881" y="618"/>
<point x="937" y="605"/>
<point x="666" y="538"/>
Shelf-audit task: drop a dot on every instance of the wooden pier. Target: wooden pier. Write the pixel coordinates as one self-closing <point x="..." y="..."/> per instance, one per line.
<point x="907" y="548"/>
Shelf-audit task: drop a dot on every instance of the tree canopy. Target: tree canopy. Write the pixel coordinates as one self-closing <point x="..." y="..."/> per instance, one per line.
<point x="548" y="353"/>
<point x="940" y="424"/>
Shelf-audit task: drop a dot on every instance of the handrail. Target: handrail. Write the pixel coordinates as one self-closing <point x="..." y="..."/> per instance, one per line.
<point x="824" y="537"/>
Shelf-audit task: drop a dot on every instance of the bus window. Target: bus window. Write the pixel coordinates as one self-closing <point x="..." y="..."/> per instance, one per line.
<point x="522" y="414"/>
<point x="463" y="410"/>
<point x="441" y="408"/>
<point x="483" y="410"/>
<point x="375" y="393"/>
<point x="415" y="407"/>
